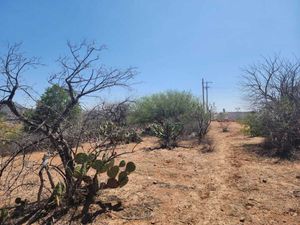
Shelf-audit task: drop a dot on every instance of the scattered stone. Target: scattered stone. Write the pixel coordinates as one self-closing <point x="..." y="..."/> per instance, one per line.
<point x="242" y="219"/>
<point x="298" y="176"/>
<point x="296" y="193"/>
<point x="264" y="180"/>
<point x="155" y="182"/>
<point x="249" y="205"/>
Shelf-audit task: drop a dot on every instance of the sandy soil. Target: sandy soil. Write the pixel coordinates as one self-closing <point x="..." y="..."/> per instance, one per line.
<point x="230" y="185"/>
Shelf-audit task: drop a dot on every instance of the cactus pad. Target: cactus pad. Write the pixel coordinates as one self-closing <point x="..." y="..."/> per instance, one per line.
<point x="81" y="158"/>
<point x="113" y="172"/>
<point x="130" y="167"/>
<point x="122" y="163"/>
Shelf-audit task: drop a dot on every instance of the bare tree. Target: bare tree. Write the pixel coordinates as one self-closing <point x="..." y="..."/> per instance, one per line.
<point x="81" y="75"/>
<point x="273" y="88"/>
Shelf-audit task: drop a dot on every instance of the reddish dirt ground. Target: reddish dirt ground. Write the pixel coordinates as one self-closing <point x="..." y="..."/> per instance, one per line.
<point x="230" y="185"/>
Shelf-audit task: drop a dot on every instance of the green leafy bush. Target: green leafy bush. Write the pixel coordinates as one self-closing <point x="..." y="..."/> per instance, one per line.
<point x="163" y="106"/>
<point x="51" y="105"/>
<point x="253" y="124"/>
<point x="170" y="114"/>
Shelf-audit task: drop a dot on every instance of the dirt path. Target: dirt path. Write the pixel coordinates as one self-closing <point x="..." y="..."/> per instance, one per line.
<point x="250" y="190"/>
<point x="230" y="185"/>
<point x="220" y="205"/>
<point x="226" y="186"/>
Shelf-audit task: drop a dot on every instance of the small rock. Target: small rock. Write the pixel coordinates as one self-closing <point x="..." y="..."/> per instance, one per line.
<point x="249" y="205"/>
<point x="242" y="219"/>
<point x="296" y="193"/>
<point x="264" y="180"/>
<point x="154" y="182"/>
<point x="298" y="176"/>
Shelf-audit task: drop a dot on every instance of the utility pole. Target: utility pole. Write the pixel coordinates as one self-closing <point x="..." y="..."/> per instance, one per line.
<point x="206" y="89"/>
<point x="203" y="96"/>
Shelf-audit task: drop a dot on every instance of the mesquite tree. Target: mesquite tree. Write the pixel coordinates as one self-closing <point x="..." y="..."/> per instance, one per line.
<point x="81" y="75"/>
<point x="170" y="114"/>
<point x="273" y="87"/>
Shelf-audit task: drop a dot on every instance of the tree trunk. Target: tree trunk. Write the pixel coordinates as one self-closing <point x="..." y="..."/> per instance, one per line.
<point x="65" y="154"/>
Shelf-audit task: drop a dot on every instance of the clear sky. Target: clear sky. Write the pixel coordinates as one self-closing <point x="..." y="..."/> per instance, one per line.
<point x="173" y="43"/>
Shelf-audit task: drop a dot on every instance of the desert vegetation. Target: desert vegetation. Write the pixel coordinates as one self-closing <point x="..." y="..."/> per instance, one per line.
<point x="171" y="114"/>
<point x="273" y="87"/>
<point x="57" y="125"/>
<point x="80" y="156"/>
<point x="60" y="159"/>
<point x="149" y="112"/>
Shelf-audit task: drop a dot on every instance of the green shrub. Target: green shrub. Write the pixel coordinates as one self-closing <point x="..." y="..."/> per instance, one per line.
<point x="273" y="87"/>
<point x="50" y="107"/>
<point x="169" y="105"/>
<point x="282" y="126"/>
<point x="170" y="114"/>
<point x="253" y="124"/>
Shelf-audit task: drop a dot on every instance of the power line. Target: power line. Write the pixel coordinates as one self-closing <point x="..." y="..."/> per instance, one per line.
<point x="205" y="88"/>
<point x="203" y="101"/>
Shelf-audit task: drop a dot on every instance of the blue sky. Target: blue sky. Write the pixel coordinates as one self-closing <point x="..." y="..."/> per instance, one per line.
<point x="173" y="43"/>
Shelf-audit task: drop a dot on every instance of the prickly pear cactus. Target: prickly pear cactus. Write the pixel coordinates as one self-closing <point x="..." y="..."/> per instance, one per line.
<point x="113" y="171"/>
<point x="168" y="132"/>
<point x="118" y="135"/>
<point x="81" y="158"/>
<point x="117" y="174"/>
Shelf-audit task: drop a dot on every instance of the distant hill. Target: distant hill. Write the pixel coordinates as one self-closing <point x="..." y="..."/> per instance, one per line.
<point x="7" y="114"/>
